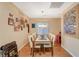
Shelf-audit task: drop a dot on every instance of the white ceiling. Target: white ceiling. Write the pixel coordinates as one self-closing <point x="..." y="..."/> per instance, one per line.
<point x="43" y="9"/>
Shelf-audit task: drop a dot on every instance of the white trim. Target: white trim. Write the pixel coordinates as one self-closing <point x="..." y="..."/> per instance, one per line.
<point x="22" y="46"/>
<point x="68" y="51"/>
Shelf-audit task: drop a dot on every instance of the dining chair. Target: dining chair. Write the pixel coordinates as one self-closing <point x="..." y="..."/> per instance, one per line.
<point x="49" y="45"/>
<point x="32" y="44"/>
<point x="36" y="46"/>
<point x="52" y="37"/>
<point x="34" y="36"/>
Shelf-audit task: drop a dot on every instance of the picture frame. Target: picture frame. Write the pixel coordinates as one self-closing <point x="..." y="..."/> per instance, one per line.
<point x="10" y="21"/>
<point x="70" y="23"/>
<point x="28" y="27"/>
<point x="17" y="19"/>
<point x="21" y="27"/>
<point x="16" y="28"/>
<point x="10" y="14"/>
<point x="22" y="22"/>
<point x="18" y="23"/>
<point x="25" y="21"/>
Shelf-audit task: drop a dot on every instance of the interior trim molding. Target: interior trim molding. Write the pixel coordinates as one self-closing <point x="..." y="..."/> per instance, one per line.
<point x="22" y="46"/>
<point x="68" y="51"/>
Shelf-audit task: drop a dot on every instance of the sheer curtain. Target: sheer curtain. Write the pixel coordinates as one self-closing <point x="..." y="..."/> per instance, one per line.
<point x="42" y="29"/>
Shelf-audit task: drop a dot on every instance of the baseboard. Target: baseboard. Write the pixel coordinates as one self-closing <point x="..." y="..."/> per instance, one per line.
<point x="68" y="51"/>
<point x="22" y="47"/>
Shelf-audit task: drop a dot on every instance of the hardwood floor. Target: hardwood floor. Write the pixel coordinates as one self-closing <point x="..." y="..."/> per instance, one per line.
<point x="57" y="52"/>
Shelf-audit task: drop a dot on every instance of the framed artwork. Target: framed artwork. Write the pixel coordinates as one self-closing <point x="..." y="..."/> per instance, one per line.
<point x="22" y="22"/>
<point x="21" y="27"/>
<point x="17" y="28"/>
<point x="28" y="27"/>
<point x="17" y="19"/>
<point x="10" y="14"/>
<point x="19" y="23"/>
<point x="25" y="21"/>
<point x="70" y="22"/>
<point x="10" y="21"/>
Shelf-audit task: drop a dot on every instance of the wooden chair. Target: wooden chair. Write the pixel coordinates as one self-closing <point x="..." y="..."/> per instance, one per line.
<point x="51" y="37"/>
<point x="32" y="44"/>
<point x="49" y="45"/>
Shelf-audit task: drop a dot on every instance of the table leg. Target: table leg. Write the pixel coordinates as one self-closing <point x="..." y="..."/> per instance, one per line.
<point x="33" y="50"/>
<point x="51" y="48"/>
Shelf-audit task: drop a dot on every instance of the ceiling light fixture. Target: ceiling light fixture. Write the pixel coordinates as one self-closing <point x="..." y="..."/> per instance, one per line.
<point x="43" y="12"/>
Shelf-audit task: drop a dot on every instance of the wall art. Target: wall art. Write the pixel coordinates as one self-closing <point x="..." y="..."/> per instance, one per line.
<point x="10" y="19"/>
<point x="70" y="22"/>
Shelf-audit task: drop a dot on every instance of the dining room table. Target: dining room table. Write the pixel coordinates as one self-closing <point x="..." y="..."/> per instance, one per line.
<point x="41" y="42"/>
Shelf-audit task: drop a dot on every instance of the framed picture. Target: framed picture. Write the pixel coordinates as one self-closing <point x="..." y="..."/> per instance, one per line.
<point x="17" y="28"/>
<point x="70" y="23"/>
<point x="21" y="28"/>
<point x="10" y="14"/>
<point x="28" y="27"/>
<point x="25" y="21"/>
<point x="17" y="19"/>
<point x="10" y="21"/>
<point x="22" y="22"/>
<point x="19" y="23"/>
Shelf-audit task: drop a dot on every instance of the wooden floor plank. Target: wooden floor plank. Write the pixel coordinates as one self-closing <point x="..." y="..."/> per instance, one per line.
<point x="58" y="51"/>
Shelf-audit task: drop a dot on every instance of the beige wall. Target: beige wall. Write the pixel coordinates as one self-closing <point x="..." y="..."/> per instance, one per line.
<point x="7" y="33"/>
<point x="69" y="42"/>
<point x="53" y="23"/>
